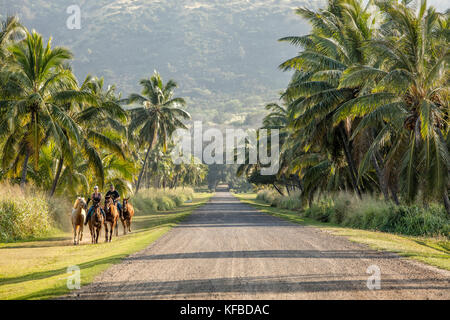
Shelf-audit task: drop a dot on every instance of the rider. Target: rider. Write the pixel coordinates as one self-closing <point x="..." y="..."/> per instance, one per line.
<point x="114" y="194"/>
<point x="96" y="198"/>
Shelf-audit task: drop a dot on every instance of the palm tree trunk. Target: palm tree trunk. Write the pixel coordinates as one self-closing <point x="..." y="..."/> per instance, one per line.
<point x="351" y="165"/>
<point x="23" y="178"/>
<point x="446" y="202"/>
<point x="276" y="188"/>
<point x="142" y="171"/>
<point x="57" y="175"/>
<point x="381" y="179"/>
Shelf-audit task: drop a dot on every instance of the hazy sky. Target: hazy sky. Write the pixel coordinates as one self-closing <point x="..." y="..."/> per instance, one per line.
<point x="442" y="5"/>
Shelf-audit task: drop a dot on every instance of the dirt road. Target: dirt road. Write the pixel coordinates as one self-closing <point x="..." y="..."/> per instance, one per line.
<point x="228" y="250"/>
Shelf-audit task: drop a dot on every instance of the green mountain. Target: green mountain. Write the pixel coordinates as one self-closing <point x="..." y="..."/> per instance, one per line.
<point x="223" y="54"/>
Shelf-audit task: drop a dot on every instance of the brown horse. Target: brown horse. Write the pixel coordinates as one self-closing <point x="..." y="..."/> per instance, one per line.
<point x="78" y="216"/>
<point x="96" y="222"/>
<point x="128" y="213"/>
<point x="112" y="215"/>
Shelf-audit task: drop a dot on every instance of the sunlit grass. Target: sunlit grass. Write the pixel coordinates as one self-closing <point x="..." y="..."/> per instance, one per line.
<point x="38" y="269"/>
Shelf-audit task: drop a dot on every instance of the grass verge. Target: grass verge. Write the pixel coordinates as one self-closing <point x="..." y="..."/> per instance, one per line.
<point x="38" y="269"/>
<point x="432" y="251"/>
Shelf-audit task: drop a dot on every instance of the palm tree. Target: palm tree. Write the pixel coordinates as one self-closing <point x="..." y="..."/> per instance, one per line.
<point x="408" y="99"/>
<point x="102" y="126"/>
<point x="33" y="102"/>
<point x="158" y="116"/>
<point x="333" y="46"/>
<point x="10" y="31"/>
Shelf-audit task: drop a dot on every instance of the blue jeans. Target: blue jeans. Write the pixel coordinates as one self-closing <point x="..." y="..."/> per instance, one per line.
<point x="90" y="213"/>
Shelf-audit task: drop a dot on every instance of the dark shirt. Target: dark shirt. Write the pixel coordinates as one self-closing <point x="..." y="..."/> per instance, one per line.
<point x="113" y="194"/>
<point x="95" y="198"/>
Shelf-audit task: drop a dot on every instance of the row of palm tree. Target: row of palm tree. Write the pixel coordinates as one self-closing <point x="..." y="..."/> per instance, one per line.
<point x="66" y="136"/>
<point x="367" y="108"/>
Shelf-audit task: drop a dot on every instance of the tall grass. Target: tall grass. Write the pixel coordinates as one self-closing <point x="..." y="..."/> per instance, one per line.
<point x="291" y="201"/>
<point x="26" y="214"/>
<point x="160" y="199"/>
<point x="369" y="213"/>
<point x="374" y="214"/>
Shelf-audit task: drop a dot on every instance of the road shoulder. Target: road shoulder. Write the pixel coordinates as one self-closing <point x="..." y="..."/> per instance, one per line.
<point x="430" y="251"/>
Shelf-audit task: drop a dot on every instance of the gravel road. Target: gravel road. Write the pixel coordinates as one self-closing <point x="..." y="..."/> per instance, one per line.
<point x="229" y="250"/>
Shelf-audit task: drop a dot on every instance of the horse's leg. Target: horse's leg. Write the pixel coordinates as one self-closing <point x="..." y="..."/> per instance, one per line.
<point x="106" y="232"/>
<point x="74" y="234"/>
<point x="124" y="224"/>
<point x="93" y="234"/>
<point x="81" y="232"/>
<point x="116" y="227"/>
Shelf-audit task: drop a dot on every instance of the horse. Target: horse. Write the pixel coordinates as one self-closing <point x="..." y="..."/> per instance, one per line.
<point x="95" y="223"/>
<point x="112" y="215"/>
<point x="127" y="215"/>
<point x="78" y="216"/>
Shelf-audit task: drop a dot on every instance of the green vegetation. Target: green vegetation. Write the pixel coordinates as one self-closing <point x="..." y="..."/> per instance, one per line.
<point x="291" y="201"/>
<point x="365" y="116"/>
<point x="368" y="213"/>
<point x="22" y="216"/>
<point x="63" y="137"/>
<point x="431" y="250"/>
<point x="38" y="269"/>
<point x="162" y="200"/>
<point x="214" y="49"/>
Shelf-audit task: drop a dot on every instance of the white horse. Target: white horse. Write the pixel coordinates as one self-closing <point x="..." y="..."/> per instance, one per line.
<point x="78" y="217"/>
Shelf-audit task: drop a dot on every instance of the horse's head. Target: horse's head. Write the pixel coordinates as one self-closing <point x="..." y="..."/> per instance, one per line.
<point x="83" y="203"/>
<point x="78" y="202"/>
<point x="125" y="204"/>
<point x="108" y="201"/>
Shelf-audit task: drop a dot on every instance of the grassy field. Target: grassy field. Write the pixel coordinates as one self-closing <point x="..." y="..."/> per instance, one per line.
<point x="38" y="269"/>
<point x="431" y="251"/>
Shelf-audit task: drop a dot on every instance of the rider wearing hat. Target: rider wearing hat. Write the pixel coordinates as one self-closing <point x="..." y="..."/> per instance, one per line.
<point x="96" y="198"/>
<point x="114" y="194"/>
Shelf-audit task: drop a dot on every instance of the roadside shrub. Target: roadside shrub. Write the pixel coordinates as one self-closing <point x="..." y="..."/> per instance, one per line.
<point x="291" y="202"/>
<point x="374" y="214"/>
<point x="320" y="212"/>
<point x="267" y="196"/>
<point x="161" y="200"/>
<point x="23" y="215"/>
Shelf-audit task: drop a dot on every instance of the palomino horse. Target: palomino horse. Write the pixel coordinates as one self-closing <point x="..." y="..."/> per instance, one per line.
<point x="96" y="222"/>
<point x="112" y="215"/>
<point x="78" y="216"/>
<point x="128" y="213"/>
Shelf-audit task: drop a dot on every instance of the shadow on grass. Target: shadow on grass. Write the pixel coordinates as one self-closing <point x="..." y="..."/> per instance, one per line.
<point x="61" y="271"/>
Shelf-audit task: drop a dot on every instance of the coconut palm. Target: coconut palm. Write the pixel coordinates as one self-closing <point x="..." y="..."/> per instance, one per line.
<point x="408" y="97"/>
<point x="333" y="46"/>
<point x="10" y="31"/>
<point x="33" y="102"/>
<point x="158" y="116"/>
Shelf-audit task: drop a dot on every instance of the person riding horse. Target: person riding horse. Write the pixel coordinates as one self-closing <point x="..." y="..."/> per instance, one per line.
<point x="114" y="194"/>
<point x="96" y="198"/>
